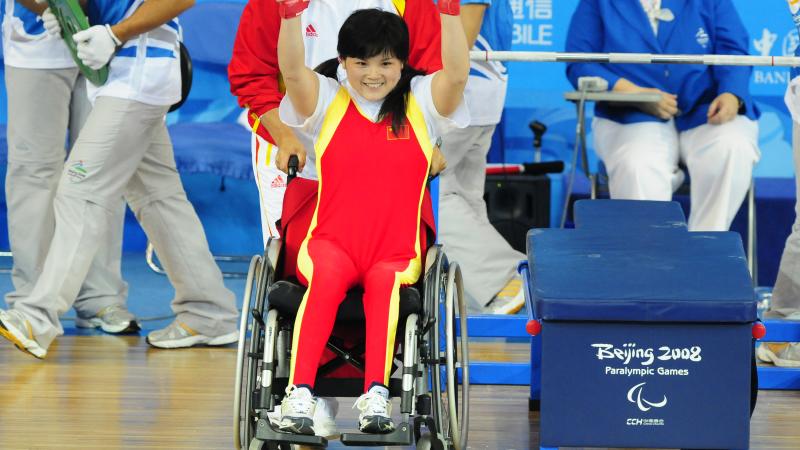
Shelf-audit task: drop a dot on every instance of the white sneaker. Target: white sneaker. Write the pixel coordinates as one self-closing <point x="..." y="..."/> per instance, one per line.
<point x="782" y="355"/>
<point x="324" y="418"/>
<point x="376" y="411"/>
<point x="509" y="300"/>
<point x="297" y="411"/>
<point x="179" y="335"/>
<point x="16" y="328"/>
<point x="114" y="319"/>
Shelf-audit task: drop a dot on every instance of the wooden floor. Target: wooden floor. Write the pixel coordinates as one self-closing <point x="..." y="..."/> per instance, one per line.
<point x="107" y="392"/>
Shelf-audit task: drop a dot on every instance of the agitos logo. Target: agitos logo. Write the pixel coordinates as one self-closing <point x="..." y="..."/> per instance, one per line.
<point x="635" y="396"/>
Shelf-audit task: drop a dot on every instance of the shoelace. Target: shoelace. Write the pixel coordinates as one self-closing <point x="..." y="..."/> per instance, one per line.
<point x="300" y="401"/>
<point x="372" y="404"/>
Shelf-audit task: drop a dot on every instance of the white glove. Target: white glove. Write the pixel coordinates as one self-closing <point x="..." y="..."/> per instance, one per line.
<point x="51" y="23"/>
<point x="96" y="45"/>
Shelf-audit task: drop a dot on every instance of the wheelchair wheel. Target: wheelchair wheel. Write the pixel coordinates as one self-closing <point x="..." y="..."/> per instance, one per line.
<point x="259" y="275"/>
<point x="450" y="403"/>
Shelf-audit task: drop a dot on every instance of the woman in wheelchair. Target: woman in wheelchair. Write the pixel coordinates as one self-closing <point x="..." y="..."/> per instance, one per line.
<point x="374" y="122"/>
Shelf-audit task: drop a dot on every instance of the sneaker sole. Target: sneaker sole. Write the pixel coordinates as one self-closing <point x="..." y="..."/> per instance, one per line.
<point x="377" y="426"/>
<point x="297" y="425"/>
<point x="510" y="309"/>
<point x="194" y="341"/>
<point x="95" y="322"/>
<point x="768" y="356"/>
<point x="22" y="344"/>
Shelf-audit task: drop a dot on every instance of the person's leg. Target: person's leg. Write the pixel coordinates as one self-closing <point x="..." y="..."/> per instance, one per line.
<point x="205" y="309"/>
<point x="720" y="159"/>
<point x="107" y="153"/>
<point x="382" y="284"/>
<point x="785" y="301"/>
<point x="101" y="300"/>
<point x="486" y="259"/>
<point x="329" y="273"/>
<point x="271" y="184"/>
<point x="786" y="294"/>
<point x="641" y="158"/>
<point x="38" y="112"/>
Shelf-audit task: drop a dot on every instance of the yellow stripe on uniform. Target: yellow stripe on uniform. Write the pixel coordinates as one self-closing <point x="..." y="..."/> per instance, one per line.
<point x="391" y="329"/>
<point x="400" y="5"/>
<point x="333" y="116"/>
<point x="417" y="122"/>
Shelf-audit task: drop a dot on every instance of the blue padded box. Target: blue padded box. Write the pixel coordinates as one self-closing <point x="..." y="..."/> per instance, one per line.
<point x="646" y="337"/>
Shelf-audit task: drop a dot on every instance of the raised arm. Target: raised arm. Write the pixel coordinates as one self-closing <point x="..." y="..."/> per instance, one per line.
<point x="302" y="85"/>
<point x="448" y="84"/>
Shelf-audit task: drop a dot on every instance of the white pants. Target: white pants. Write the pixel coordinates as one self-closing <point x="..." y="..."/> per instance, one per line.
<point x="43" y="106"/>
<point x="124" y="149"/>
<point x="271" y="183"/>
<point x="487" y="261"/>
<point x="642" y="161"/>
<point x="786" y="294"/>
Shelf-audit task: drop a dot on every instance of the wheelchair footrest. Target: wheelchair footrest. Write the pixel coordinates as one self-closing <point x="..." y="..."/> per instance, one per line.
<point x="265" y="432"/>
<point x="403" y="435"/>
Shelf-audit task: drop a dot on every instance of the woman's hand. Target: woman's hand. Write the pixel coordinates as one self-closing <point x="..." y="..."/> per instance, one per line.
<point x="723" y="109"/>
<point x="438" y="163"/>
<point x="665" y="108"/>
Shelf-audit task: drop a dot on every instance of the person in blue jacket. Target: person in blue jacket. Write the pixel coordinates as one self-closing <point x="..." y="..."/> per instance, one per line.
<point x="705" y="118"/>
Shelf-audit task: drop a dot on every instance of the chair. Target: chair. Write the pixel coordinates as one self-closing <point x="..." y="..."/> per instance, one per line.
<point x="432" y="362"/>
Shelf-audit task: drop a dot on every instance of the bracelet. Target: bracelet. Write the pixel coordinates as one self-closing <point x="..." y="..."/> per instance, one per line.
<point x="291" y="8"/>
<point x="449" y="7"/>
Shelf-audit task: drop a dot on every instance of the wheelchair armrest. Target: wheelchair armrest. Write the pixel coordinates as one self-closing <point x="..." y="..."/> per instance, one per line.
<point x="434" y="252"/>
<point x="272" y="251"/>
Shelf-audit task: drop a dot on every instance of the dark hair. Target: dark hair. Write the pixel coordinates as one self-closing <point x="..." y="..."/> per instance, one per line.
<point x="371" y="32"/>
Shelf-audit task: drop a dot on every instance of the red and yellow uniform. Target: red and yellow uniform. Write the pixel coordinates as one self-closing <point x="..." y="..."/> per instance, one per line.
<point x="365" y="228"/>
<point x="255" y="78"/>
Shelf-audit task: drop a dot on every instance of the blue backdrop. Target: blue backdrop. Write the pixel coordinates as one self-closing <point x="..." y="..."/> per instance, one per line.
<point x="535" y="92"/>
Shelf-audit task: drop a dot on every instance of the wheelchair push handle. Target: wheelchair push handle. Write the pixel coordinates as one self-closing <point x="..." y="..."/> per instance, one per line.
<point x="293" y="164"/>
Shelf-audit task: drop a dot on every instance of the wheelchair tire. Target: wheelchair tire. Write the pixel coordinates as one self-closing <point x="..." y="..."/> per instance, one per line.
<point x="242" y="423"/>
<point x="449" y="403"/>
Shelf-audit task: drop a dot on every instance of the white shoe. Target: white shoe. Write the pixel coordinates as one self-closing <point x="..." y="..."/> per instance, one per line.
<point x="324" y="418"/>
<point x="179" y="335"/>
<point x="376" y="411"/>
<point x="509" y="300"/>
<point x="114" y="319"/>
<point x="16" y="328"/>
<point x="782" y="355"/>
<point x="297" y="411"/>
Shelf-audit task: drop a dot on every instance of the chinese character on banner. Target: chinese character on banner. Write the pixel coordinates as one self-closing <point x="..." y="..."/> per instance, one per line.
<point x="540" y="9"/>
<point x="518" y="8"/>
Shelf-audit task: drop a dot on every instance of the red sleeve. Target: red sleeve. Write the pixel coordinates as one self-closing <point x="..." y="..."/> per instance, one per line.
<point x="253" y="70"/>
<point x="425" y="36"/>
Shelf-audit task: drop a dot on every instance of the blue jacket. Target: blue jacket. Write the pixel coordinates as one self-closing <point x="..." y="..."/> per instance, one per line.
<point x="699" y="27"/>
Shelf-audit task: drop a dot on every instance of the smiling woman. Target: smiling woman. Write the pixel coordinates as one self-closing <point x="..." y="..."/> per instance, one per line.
<point x="369" y="111"/>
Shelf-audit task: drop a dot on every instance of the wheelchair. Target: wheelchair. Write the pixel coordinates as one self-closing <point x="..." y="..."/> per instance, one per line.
<point x="430" y="374"/>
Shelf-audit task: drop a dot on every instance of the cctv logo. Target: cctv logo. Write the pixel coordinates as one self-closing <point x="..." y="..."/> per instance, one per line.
<point x="635" y="396"/>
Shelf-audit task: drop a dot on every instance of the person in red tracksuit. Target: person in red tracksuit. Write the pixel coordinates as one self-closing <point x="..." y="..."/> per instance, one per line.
<point x="374" y="126"/>
<point x="255" y="78"/>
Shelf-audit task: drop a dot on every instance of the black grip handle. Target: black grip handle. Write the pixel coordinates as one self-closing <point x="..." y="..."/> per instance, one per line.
<point x="544" y="167"/>
<point x="294" y="163"/>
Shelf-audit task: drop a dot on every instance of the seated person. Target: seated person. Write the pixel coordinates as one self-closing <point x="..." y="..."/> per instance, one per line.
<point x="705" y="118"/>
<point x="374" y="135"/>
